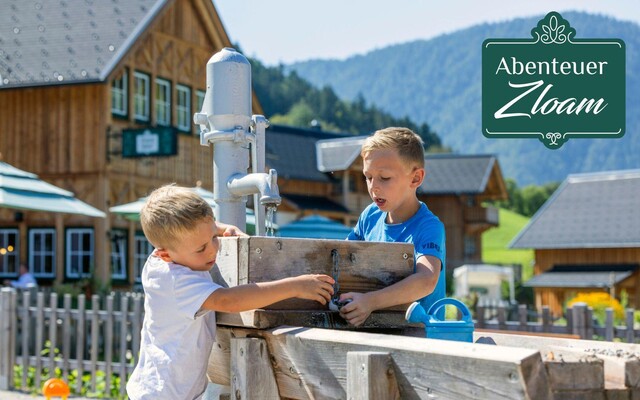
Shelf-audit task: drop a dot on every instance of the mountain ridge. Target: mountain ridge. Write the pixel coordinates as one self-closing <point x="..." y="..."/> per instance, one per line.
<point x="438" y="81"/>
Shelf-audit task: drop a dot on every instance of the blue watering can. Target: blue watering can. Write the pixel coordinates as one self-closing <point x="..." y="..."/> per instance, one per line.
<point x="436" y="328"/>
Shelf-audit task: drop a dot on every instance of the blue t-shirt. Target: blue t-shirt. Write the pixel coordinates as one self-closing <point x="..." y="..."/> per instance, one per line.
<point x="424" y="230"/>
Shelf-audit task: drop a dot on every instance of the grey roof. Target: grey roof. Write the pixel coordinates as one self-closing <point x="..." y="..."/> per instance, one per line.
<point x="601" y="276"/>
<point x="455" y="173"/>
<point x="338" y="154"/>
<point x="52" y="42"/>
<point x="599" y="210"/>
<point x="292" y="152"/>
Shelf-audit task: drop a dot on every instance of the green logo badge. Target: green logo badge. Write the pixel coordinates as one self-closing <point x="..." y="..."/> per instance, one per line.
<point x="553" y="87"/>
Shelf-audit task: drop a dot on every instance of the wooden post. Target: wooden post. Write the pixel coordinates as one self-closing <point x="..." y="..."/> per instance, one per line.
<point x="7" y="351"/>
<point x="579" y="313"/>
<point x="480" y="317"/>
<point x="522" y="316"/>
<point x="630" y="337"/>
<point x="502" y="318"/>
<point x="608" y="328"/>
<point x="589" y="323"/>
<point x="252" y="375"/>
<point x="371" y="376"/>
<point x="546" y="319"/>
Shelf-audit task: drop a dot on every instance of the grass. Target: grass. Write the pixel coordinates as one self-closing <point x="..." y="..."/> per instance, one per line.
<point x="495" y="243"/>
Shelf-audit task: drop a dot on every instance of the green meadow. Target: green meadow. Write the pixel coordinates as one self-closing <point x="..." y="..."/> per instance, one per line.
<point x="495" y="243"/>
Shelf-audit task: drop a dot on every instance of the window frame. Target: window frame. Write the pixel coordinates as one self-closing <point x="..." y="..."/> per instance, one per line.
<point x="42" y="254"/>
<point x="122" y="93"/>
<point x="165" y="104"/>
<point x="81" y="253"/>
<point x="140" y="256"/>
<point x="14" y="254"/>
<point x="183" y="110"/>
<point x="118" y="256"/>
<point x="141" y="98"/>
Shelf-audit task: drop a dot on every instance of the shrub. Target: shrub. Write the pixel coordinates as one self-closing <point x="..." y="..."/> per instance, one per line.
<point x="599" y="302"/>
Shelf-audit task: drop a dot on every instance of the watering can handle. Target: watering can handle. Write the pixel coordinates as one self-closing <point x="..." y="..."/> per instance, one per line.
<point x="435" y="307"/>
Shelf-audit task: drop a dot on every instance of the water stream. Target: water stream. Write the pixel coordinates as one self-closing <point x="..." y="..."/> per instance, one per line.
<point x="269" y="226"/>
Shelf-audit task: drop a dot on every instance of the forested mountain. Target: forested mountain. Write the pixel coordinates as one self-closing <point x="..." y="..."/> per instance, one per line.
<point x="290" y="100"/>
<point x="439" y="81"/>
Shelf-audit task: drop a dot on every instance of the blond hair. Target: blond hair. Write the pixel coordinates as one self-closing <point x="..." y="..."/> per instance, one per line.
<point x="409" y="145"/>
<point x="171" y="211"/>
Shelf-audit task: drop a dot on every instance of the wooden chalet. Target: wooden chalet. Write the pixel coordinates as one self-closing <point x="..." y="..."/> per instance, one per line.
<point x="586" y="238"/>
<point x="98" y="98"/>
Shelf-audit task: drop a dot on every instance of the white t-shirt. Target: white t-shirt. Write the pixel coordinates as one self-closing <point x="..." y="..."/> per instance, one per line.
<point x="177" y="337"/>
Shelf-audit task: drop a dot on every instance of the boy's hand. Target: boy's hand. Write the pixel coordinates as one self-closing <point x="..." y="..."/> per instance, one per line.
<point x="230" y="230"/>
<point x="358" y="310"/>
<point x="314" y="287"/>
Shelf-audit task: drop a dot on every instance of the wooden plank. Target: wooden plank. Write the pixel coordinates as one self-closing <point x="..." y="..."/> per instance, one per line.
<point x="265" y="319"/>
<point x="252" y="375"/>
<point x="621" y="360"/>
<point x="39" y="338"/>
<point x="95" y="332"/>
<point x="66" y="336"/>
<point x="370" y="376"/>
<point x="124" y="312"/>
<point x="363" y="266"/>
<point x="108" y="344"/>
<point x="53" y="330"/>
<point x="80" y="335"/>
<point x="311" y="363"/>
<point x="6" y="367"/>
<point x="26" y="328"/>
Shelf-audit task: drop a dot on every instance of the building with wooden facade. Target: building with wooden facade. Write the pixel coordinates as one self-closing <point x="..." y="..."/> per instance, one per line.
<point x="98" y="98"/>
<point x="586" y="238"/>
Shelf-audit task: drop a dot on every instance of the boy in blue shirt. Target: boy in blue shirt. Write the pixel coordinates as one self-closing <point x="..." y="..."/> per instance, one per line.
<point x="393" y="165"/>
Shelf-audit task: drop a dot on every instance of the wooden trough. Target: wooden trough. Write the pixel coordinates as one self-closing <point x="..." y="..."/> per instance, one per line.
<point x="280" y="352"/>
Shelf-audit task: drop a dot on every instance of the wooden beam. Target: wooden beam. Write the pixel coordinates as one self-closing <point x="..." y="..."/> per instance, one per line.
<point x="265" y="319"/>
<point x="311" y="363"/>
<point x="371" y="376"/>
<point x="252" y="376"/>
<point x="363" y="266"/>
<point x="621" y="360"/>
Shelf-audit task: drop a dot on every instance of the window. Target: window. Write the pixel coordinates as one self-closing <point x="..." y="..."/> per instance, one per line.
<point x="42" y="252"/>
<point x="183" y="108"/>
<point x="9" y="253"/>
<point x="163" y="102"/>
<point x="119" y="254"/>
<point x="142" y="250"/>
<point x="119" y="95"/>
<point x="469" y="245"/>
<point x="141" y="96"/>
<point x="79" y="252"/>
<point x="199" y="99"/>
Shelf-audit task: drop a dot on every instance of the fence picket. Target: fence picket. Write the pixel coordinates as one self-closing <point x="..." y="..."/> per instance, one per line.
<point x="53" y="328"/>
<point x="80" y="345"/>
<point x="124" y="313"/>
<point x="95" y="331"/>
<point x="26" y="330"/>
<point x="108" y="345"/>
<point x="39" y="338"/>
<point x="66" y="336"/>
<point x="630" y="334"/>
<point x="608" y="333"/>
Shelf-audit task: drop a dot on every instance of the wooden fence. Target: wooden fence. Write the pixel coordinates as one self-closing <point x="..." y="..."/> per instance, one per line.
<point x="579" y="321"/>
<point x="41" y="332"/>
<point x="44" y="333"/>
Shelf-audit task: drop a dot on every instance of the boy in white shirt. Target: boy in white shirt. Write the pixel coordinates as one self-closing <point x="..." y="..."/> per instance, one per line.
<point x="178" y="330"/>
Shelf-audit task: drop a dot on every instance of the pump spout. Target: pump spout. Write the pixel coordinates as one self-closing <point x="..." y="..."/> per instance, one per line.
<point x="265" y="184"/>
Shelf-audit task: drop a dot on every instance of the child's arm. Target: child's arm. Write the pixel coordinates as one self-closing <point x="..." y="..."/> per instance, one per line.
<point x="411" y="288"/>
<point x="257" y="295"/>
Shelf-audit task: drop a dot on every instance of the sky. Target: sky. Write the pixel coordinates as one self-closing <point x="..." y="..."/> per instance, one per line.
<point x="286" y="31"/>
